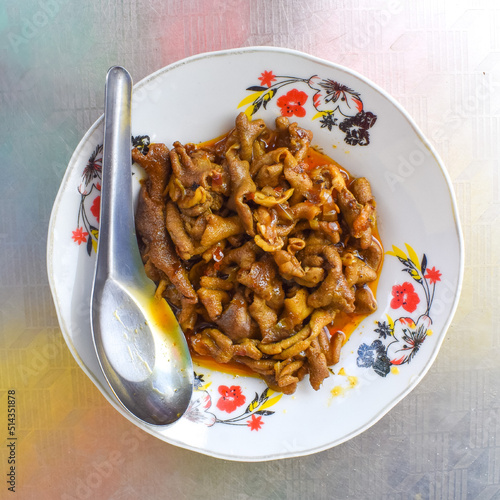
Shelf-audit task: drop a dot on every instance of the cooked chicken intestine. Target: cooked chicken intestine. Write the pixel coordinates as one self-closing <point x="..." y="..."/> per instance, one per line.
<point x="257" y="249"/>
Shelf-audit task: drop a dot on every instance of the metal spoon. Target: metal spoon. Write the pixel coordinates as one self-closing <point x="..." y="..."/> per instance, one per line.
<point x="141" y="348"/>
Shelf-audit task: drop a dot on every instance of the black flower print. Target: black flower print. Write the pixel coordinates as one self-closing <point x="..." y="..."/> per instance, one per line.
<point x="383" y="329"/>
<point x="356" y="128"/>
<point x="328" y="121"/>
<point x="141" y="142"/>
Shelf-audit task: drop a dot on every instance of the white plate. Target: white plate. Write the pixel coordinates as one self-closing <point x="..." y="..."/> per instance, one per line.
<point x="367" y="132"/>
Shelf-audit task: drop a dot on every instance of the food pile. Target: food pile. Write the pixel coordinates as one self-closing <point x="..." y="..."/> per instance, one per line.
<point x="257" y="241"/>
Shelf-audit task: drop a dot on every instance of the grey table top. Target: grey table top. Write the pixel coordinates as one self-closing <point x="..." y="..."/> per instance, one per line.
<point x="441" y="60"/>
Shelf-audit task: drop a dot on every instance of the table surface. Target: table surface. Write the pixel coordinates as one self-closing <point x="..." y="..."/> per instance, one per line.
<point x="440" y="60"/>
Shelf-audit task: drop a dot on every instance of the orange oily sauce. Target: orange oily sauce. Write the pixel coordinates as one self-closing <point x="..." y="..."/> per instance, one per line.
<point x="345" y="322"/>
<point x="161" y="314"/>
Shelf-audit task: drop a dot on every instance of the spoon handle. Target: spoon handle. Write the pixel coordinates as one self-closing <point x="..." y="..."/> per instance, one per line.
<point x="118" y="256"/>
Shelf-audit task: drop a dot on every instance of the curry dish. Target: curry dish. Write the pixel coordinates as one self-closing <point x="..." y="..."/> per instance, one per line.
<point x="257" y="242"/>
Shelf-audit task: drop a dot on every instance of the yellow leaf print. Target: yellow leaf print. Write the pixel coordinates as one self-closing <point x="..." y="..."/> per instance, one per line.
<point x="413" y="256"/>
<point x="270" y="402"/>
<point x="390" y="322"/>
<point x="249" y="112"/>
<point x="250" y="98"/>
<point x="415" y="274"/>
<point x="95" y="234"/>
<point x="397" y="252"/>
<point x="268" y="95"/>
<point x="253" y="405"/>
<point x="318" y="114"/>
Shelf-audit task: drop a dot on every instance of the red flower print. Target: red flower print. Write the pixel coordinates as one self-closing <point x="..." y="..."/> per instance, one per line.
<point x="255" y="423"/>
<point x="292" y="103"/>
<point x="433" y="275"/>
<point x="80" y="236"/>
<point x="405" y="297"/>
<point x="267" y="78"/>
<point x="96" y="208"/>
<point x="231" y="399"/>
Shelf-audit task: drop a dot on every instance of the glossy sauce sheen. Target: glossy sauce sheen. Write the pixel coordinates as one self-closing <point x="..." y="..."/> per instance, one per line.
<point x="347" y="323"/>
<point x="162" y="314"/>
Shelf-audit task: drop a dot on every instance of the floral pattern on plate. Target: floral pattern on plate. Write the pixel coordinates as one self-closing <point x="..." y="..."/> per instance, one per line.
<point x="90" y="201"/>
<point x="405" y="334"/>
<point x="230" y="399"/>
<point x="324" y="420"/>
<point x="336" y="104"/>
<point x="87" y="226"/>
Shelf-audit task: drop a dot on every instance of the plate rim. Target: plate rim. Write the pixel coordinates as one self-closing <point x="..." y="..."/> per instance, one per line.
<point x="394" y="401"/>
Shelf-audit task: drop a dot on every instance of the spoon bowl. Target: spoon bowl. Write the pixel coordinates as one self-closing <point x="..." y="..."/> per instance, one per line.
<point x="141" y="349"/>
